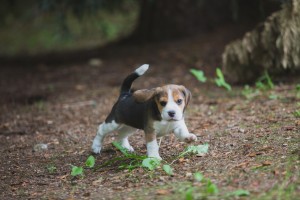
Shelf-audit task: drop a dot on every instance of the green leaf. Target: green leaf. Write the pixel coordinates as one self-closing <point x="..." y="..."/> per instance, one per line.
<point x="200" y="149"/>
<point x="298" y="87"/>
<point x="249" y="92"/>
<point x="76" y="171"/>
<point x="189" y="194"/>
<point x="199" y="74"/>
<point x="90" y="162"/>
<point x="269" y="80"/>
<point x="219" y="74"/>
<point x="168" y="169"/>
<point x="264" y="82"/>
<point x="273" y="96"/>
<point x="220" y="80"/>
<point x="122" y="149"/>
<point x="297" y="113"/>
<point x="239" y="193"/>
<point x="198" y="176"/>
<point x="212" y="188"/>
<point x="150" y="163"/>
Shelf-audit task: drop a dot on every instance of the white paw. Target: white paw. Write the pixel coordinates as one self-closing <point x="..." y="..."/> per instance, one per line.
<point x="190" y="138"/>
<point x="96" y="147"/>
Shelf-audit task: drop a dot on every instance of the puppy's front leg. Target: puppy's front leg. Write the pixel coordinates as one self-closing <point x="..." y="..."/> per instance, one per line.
<point x="181" y="132"/>
<point x="152" y="146"/>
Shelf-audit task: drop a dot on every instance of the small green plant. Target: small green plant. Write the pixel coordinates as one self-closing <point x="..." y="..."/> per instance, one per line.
<point x="273" y="96"/>
<point x="189" y="194"/>
<point x="200" y="149"/>
<point x="90" y="162"/>
<point x="298" y="91"/>
<point x="168" y="169"/>
<point x="51" y="168"/>
<point x="220" y="80"/>
<point x="199" y="74"/>
<point x="238" y="193"/>
<point x="297" y="113"/>
<point x="151" y="163"/>
<point x="211" y="188"/>
<point x="249" y="92"/>
<point x="78" y="171"/>
<point x="198" y="176"/>
<point x="264" y="82"/>
<point x="207" y="188"/>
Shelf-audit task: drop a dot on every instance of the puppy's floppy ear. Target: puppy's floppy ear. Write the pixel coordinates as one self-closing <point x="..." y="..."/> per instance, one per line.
<point x="186" y="93"/>
<point x="145" y="94"/>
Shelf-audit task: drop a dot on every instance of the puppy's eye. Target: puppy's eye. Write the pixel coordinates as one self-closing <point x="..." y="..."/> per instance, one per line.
<point x="163" y="103"/>
<point x="179" y="101"/>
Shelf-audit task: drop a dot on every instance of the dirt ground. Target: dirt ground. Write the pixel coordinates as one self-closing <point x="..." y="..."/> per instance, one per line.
<point x="253" y="144"/>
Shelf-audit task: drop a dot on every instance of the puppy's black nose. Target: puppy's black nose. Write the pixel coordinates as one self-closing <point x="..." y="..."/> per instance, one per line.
<point x="171" y="113"/>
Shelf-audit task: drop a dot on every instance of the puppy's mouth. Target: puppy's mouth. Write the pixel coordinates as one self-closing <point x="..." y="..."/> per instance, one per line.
<point x="173" y="119"/>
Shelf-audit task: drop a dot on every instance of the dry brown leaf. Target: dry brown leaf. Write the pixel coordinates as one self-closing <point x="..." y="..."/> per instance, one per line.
<point x="253" y="154"/>
<point x="162" y="192"/>
<point x="63" y="177"/>
<point x="265" y="148"/>
<point x="266" y="163"/>
<point x="276" y="172"/>
<point x="243" y="164"/>
<point x="97" y="182"/>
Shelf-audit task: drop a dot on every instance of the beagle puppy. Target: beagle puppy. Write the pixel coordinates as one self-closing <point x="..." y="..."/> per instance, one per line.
<point x="156" y="111"/>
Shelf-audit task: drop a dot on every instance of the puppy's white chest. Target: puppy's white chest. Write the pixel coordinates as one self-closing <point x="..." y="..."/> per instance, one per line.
<point x="162" y="128"/>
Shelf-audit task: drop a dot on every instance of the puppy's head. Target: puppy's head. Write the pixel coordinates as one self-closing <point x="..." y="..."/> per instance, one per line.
<point x="171" y="100"/>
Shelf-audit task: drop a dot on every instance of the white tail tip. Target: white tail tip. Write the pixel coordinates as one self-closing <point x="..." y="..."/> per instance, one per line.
<point x="142" y="69"/>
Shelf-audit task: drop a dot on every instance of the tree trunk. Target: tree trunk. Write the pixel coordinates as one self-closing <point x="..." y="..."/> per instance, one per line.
<point x="273" y="46"/>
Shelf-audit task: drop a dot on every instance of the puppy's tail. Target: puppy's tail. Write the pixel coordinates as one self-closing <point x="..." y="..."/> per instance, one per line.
<point x="126" y="85"/>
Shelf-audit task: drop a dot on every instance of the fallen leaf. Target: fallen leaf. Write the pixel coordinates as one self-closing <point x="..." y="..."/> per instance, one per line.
<point x="266" y="163"/>
<point x="253" y="154"/>
<point x="97" y="182"/>
<point x="243" y="164"/>
<point x="276" y="172"/>
<point x="265" y="148"/>
<point x="162" y="192"/>
<point x="63" y="177"/>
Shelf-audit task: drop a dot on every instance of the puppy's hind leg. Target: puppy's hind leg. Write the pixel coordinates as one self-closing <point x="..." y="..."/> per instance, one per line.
<point x="103" y="130"/>
<point x="124" y="133"/>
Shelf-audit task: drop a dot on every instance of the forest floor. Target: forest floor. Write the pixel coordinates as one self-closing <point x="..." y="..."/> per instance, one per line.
<point x="253" y="143"/>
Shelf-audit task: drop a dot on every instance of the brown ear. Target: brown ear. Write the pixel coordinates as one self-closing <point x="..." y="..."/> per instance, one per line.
<point x="144" y="95"/>
<point x="186" y="93"/>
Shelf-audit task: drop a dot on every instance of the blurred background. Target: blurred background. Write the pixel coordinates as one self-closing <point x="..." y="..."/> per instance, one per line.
<point x="36" y="26"/>
<point x="244" y="38"/>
